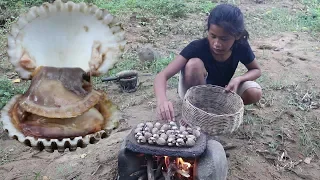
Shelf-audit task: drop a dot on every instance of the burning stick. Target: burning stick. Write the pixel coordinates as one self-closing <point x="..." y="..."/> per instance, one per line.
<point x="170" y="172"/>
<point x="149" y="169"/>
<point x="158" y="171"/>
<point x="183" y="173"/>
<point x="143" y="177"/>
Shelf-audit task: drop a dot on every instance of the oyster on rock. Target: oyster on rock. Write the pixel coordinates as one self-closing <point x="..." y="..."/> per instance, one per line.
<point x="59" y="47"/>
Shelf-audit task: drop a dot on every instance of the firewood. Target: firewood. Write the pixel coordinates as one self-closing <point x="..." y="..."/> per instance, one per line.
<point x="149" y="169"/>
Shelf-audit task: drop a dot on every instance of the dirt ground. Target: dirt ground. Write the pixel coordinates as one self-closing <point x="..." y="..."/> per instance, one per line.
<point x="279" y="138"/>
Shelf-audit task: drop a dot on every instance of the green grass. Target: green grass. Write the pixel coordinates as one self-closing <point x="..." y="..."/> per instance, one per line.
<point x="263" y="22"/>
<point x="8" y="90"/>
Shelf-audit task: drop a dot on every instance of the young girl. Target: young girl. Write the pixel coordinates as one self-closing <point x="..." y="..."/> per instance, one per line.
<point x="213" y="60"/>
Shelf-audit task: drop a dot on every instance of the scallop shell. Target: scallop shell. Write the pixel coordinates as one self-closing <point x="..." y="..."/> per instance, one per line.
<point x="97" y="40"/>
<point x="64" y="35"/>
<point x="52" y="144"/>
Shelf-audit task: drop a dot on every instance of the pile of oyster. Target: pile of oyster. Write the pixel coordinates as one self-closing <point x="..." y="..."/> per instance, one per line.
<point x="166" y="134"/>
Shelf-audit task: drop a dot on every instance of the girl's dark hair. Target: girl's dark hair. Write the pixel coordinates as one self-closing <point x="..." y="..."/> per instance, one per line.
<point x="230" y="18"/>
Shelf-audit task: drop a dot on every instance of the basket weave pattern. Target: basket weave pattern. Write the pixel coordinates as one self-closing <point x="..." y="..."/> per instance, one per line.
<point x="211" y="108"/>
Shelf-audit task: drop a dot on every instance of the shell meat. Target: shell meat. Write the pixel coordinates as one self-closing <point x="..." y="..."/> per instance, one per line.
<point x="169" y="134"/>
<point x="59" y="47"/>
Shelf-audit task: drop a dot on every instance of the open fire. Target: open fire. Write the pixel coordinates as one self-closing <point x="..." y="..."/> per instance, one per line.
<point x="167" y="168"/>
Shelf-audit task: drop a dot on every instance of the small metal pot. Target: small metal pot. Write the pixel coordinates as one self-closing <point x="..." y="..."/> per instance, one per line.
<point x="129" y="84"/>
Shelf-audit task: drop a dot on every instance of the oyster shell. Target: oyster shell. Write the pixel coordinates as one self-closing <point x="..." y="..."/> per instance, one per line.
<point x="60" y="46"/>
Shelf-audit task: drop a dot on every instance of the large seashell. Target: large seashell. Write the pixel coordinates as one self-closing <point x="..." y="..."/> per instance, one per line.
<point x="98" y="49"/>
<point x="157" y="125"/>
<point x="154" y="130"/>
<point x="150" y="125"/>
<point x="190" y="142"/>
<point x="69" y="46"/>
<point x="161" y="141"/>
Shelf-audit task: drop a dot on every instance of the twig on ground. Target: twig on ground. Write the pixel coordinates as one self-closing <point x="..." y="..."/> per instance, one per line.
<point x="229" y="146"/>
<point x="140" y="172"/>
<point x="303" y="176"/>
<point x="96" y="170"/>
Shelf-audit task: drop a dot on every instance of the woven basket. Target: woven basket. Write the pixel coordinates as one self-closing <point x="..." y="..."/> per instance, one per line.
<point x="215" y="111"/>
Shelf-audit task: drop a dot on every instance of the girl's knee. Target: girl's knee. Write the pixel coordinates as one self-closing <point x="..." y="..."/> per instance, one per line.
<point x="194" y="65"/>
<point x="252" y="95"/>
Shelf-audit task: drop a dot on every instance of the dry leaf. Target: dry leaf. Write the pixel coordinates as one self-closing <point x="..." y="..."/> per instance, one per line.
<point x="308" y="160"/>
<point x="83" y="155"/>
<point x="16" y="80"/>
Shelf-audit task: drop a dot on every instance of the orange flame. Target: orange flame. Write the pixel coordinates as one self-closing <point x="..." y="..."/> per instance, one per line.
<point x="184" y="165"/>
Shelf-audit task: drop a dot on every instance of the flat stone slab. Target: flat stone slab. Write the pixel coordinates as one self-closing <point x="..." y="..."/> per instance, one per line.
<point x="186" y="152"/>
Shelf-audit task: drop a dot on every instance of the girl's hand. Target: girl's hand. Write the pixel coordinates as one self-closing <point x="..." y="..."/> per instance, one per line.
<point x="233" y="85"/>
<point x="165" y="111"/>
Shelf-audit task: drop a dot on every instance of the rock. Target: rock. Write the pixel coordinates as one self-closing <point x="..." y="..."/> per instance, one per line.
<point x="213" y="162"/>
<point x="147" y="54"/>
<point x="128" y="163"/>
